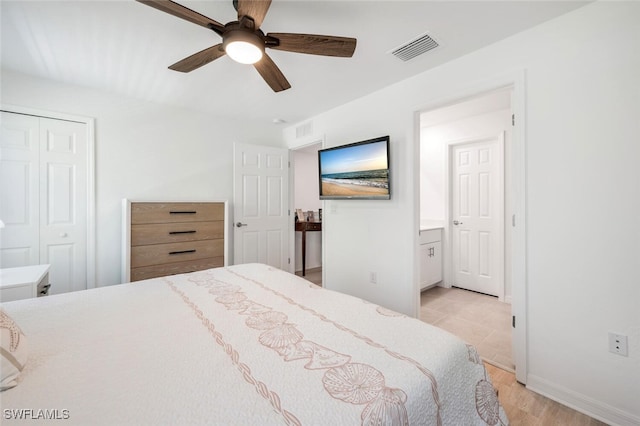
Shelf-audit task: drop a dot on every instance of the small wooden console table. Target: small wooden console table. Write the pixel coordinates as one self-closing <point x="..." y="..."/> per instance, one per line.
<point x="304" y="227"/>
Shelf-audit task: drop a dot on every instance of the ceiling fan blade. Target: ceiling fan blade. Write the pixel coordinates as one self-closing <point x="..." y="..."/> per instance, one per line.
<point x="256" y="9"/>
<point x="315" y="44"/>
<point x="180" y="11"/>
<point x="199" y="59"/>
<point x="271" y="74"/>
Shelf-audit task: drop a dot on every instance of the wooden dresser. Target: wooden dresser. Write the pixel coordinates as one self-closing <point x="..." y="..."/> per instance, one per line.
<point x="166" y="238"/>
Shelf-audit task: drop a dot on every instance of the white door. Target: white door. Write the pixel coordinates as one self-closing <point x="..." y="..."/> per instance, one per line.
<point x="477" y="206"/>
<point x="261" y="216"/>
<point x="63" y="203"/>
<point x="19" y="190"/>
<point x="44" y="197"/>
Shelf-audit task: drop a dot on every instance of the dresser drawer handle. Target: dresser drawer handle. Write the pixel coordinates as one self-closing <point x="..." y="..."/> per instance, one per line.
<point x="183" y="212"/>
<point x="182" y="251"/>
<point x="181" y="232"/>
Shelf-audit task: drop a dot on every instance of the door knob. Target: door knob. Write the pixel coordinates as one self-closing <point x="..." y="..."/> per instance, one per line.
<point x="63" y="234"/>
<point x="240" y="224"/>
<point x="455" y="222"/>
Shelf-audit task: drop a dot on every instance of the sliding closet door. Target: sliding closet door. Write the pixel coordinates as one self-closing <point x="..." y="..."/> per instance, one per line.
<point x="43" y="166"/>
<point x="63" y="203"/>
<point x="19" y="190"/>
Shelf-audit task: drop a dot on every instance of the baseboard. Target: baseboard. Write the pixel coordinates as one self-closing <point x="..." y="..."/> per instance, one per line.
<point x="584" y="404"/>
<point x="498" y="365"/>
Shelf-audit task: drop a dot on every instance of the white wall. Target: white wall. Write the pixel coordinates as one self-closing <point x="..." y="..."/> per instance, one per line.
<point x="583" y="243"/>
<point x="307" y="197"/>
<point x="144" y="151"/>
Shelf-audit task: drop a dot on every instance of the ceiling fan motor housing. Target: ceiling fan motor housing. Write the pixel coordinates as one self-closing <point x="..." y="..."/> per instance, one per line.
<point x="241" y="34"/>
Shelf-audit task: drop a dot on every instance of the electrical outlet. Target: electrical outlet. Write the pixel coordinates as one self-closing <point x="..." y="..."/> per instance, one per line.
<point x="618" y="344"/>
<point x="373" y="278"/>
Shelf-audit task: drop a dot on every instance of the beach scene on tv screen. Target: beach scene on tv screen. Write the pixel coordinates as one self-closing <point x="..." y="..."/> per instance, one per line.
<point x="359" y="170"/>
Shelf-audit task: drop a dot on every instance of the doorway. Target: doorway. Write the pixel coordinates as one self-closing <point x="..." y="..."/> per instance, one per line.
<point x="443" y="130"/>
<point x="307" y="206"/>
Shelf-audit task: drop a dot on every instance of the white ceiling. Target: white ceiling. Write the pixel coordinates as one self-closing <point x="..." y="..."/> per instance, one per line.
<point x="125" y="47"/>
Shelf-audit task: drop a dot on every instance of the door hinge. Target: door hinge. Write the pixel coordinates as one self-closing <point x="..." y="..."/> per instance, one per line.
<point x="289" y="261"/>
<point x="513" y="321"/>
<point x="513" y="119"/>
<point x="513" y="220"/>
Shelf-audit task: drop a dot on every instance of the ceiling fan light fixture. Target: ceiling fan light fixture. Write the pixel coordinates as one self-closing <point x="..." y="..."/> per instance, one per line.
<point x="243" y="52"/>
<point x="243" y="46"/>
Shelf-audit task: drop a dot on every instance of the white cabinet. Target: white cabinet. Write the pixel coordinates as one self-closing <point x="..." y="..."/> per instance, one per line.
<point x="430" y="257"/>
<point x="24" y="282"/>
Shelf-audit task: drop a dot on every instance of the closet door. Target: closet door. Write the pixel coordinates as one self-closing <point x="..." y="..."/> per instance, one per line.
<point x="19" y="190"/>
<point x="63" y="203"/>
<point x="43" y="200"/>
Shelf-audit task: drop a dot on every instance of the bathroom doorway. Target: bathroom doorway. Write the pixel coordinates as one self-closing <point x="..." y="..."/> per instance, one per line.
<point x="444" y="132"/>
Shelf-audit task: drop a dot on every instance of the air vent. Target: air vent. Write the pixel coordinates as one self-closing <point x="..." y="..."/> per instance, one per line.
<point x="304" y="129"/>
<point x="416" y="47"/>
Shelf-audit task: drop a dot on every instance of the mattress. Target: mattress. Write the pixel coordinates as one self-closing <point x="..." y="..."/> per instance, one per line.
<point x="241" y="345"/>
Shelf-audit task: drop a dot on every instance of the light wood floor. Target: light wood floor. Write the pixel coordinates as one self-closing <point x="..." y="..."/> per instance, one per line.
<point x="523" y="407"/>
<point x="480" y="320"/>
<point x="485" y="322"/>
<point x="314" y="275"/>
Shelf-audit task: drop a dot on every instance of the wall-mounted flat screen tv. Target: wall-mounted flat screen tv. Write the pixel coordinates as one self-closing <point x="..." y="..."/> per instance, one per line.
<point x="356" y="171"/>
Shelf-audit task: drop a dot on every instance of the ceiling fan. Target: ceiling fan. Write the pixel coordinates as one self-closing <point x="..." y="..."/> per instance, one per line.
<point x="244" y="42"/>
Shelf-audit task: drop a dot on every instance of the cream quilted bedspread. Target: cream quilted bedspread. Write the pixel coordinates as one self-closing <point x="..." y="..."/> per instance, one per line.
<point x="243" y="345"/>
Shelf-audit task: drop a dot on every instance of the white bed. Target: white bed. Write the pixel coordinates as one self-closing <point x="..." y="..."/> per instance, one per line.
<point x="242" y="345"/>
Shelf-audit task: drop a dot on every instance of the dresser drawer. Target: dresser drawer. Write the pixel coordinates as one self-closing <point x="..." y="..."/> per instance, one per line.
<point x="314" y="226"/>
<point x="175" y="252"/>
<point x="308" y="226"/>
<point x="160" y="233"/>
<point x="175" y="212"/>
<point x="430" y="236"/>
<point x="16" y="293"/>
<point x="146" y="272"/>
